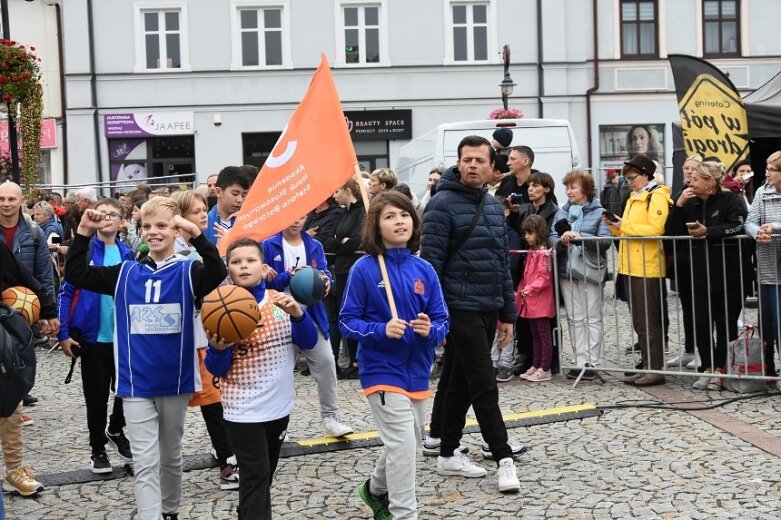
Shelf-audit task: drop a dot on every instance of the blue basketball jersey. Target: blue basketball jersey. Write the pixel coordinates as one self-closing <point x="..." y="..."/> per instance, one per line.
<point x="155" y="353"/>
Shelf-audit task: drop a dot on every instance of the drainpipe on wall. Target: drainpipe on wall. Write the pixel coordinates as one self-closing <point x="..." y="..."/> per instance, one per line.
<point x="594" y="88"/>
<point x="540" y="72"/>
<point x="94" y="89"/>
<point x="63" y="119"/>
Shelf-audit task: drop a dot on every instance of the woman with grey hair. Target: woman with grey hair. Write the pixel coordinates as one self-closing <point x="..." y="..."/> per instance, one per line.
<point x="44" y="216"/>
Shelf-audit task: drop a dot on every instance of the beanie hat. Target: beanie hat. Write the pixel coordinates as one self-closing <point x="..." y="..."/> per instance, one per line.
<point x="503" y="136"/>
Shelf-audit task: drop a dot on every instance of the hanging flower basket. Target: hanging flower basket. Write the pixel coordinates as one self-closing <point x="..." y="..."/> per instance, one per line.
<point x="501" y="113"/>
<point x="20" y="89"/>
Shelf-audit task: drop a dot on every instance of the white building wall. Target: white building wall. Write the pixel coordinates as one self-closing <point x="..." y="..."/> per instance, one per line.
<point x="418" y="76"/>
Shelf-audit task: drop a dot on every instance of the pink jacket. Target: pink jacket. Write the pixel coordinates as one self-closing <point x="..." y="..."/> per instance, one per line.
<point x="538" y="280"/>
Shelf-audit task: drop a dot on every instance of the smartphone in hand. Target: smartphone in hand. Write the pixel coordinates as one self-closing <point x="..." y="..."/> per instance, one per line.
<point x="610" y="216"/>
<point x="692" y="225"/>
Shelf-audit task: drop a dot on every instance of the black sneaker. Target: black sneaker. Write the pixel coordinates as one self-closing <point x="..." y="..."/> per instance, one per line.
<point x="99" y="464"/>
<point x="120" y="444"/>
<point x="29" y="400"/>
<point x="170" y="516"/>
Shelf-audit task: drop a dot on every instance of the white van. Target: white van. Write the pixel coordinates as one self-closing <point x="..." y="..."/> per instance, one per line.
<point x="553" y="142"/>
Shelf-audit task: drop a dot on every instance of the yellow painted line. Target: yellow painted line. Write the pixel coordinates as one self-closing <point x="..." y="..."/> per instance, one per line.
<point x="536" y="414"/>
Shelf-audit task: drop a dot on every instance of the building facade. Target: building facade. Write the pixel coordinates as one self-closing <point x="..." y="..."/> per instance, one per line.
<point x="35" y="25"/>
<point x="173" y="87"/>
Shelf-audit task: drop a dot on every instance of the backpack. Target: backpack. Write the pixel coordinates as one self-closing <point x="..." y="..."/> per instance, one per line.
<point x="17" y="360"/>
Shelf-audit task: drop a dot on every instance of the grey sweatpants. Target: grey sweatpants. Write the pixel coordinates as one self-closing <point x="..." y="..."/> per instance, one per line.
<point x="154" y="428"/>
<point x="400" y="422"/>
<point x="320" y="361"/>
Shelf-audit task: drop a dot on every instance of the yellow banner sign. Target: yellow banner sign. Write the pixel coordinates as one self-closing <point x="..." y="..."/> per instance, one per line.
<point x="713" y="120"/>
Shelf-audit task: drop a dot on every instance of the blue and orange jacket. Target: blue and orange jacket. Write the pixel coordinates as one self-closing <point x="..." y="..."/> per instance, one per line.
<point x="404" y="364"/>
<point x="79" y="309"/>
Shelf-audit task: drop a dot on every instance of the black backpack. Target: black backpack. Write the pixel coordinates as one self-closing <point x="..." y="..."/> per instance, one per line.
<point x="17" y="360"/>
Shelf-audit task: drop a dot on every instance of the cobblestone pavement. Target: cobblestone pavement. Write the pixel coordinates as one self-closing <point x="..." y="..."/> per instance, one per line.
<point x="628" y="463"/>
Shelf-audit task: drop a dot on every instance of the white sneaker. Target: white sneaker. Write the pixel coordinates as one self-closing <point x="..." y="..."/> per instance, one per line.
<point x="430" y="446"/>
<point x="701" y="383"/>
<point x="333" y="428"/>
<point x="459" y="465"/>
<point x="683" y="360"/>
<point x="694" y="363"/>
<point x="778" y="385"/>
<point x="507" y="476"/>
<point x="516" y="447"/>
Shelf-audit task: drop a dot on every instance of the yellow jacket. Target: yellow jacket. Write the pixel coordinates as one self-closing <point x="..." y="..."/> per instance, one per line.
<point x="642" y="218"/>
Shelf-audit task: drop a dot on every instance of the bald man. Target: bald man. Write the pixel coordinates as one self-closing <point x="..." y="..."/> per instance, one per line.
<point x="21" y="236"/>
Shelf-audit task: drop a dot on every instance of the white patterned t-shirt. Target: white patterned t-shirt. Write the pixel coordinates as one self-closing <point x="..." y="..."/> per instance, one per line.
<point x="259" y="385"/>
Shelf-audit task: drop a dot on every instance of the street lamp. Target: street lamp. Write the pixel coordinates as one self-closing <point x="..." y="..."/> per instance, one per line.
<point x="507" y="83"/>
<point x="13" y="143"/>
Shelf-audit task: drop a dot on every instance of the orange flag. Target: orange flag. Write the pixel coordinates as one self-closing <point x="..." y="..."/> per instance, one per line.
<point x="312" y="159"/>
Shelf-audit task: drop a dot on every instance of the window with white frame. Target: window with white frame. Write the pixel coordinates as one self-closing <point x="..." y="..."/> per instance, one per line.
<point x="361" y="33"/>
<point x="161" y="35"/>
<point x="261" y="36"/>
<point x="162" y="39"/>
<point x="470" y="31"/>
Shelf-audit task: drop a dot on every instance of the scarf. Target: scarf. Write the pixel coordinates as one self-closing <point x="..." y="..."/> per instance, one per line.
<point x="575" y="216"/>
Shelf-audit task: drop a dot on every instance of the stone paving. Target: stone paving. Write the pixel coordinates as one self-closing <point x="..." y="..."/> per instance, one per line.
<point x="628" y="463"/>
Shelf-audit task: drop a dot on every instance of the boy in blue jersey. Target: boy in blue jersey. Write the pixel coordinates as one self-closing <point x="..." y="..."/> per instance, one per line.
<point x="87" y="331"/>
<point x="286" y="252"/>
<point x="156" y="362"/>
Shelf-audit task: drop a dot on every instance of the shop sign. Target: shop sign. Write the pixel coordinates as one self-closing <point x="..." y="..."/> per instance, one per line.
<point x="379" y="124"/>
<point x="145" y="124"/>
<point x="48" y="135"/>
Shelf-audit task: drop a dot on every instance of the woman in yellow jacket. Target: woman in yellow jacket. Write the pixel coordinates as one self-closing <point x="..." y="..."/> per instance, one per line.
<point x="643" y="262"/>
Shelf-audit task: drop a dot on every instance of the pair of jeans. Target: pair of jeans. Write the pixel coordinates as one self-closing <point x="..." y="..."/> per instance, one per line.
<point x="257" y="447"/>
<point x="646" y="307"/>
<point x="471" y="381"/>
<point x="583" y="304"/>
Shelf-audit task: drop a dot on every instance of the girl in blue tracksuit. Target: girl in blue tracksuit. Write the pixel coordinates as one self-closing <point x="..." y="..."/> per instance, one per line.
<point x="394" y="354"/>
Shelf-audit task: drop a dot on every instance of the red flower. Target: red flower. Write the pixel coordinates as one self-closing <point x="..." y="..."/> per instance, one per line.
<point x="25" y="75"/>
<point x="7" y="98"/>
<point x="14" y="78"/>
<point x="3" y="79"/>
<point x="32" y="48"/>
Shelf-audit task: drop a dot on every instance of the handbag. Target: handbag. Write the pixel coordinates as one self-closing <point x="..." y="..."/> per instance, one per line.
<point x="586" y="264"/>
<point x="745" y="357"/>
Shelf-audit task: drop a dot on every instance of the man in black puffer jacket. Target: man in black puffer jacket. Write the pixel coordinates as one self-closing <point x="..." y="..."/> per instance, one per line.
<point x="475" y="278"/>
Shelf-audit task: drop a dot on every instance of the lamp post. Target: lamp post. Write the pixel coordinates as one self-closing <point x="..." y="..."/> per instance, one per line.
<point x="507" y="83"/>
<point x="13" y="143"/>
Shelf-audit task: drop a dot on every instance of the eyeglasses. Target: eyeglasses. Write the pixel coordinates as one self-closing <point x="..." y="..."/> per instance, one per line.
<point x="113" y="216"/>
<point x="630" y="178"/>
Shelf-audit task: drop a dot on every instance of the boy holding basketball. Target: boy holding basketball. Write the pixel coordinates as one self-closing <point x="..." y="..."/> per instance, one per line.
<point x="256" y="378"/>
<point x="155" y="360"/>
<point x="285" y="252"/>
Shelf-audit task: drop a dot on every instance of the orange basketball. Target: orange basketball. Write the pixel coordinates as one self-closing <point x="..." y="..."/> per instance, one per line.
<point x="24" y="301"/>
<point x="231" y="312"/>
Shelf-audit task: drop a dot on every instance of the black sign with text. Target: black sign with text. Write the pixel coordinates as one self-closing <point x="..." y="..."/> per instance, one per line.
<point x="379" y="124"/>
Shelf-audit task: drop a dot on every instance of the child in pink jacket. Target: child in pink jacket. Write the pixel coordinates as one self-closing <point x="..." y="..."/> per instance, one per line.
<point x="536" y="294"/>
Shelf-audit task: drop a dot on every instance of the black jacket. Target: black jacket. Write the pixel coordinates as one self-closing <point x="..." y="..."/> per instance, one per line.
<point x="325" y="221"/>
<point x="477" y="276"/>
<point x="13" y="273"/>
<point x="724" y="214"/>
<point x="348" y="225"/>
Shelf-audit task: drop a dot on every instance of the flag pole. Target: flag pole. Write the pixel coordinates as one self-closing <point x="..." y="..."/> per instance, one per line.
<point x="380" y="257"/>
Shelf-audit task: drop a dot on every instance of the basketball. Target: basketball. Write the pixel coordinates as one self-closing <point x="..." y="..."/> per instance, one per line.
<point x="230" y="312"/>
<point x="307" y="286"/>
<point x="24" y="301"/>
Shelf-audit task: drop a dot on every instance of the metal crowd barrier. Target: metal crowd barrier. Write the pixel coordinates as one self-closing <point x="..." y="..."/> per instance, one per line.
<point x="617" y="351"/>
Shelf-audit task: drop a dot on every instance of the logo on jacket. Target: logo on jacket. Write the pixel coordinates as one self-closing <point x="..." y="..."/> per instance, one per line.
<point x="419" y="287"/>
<point x="277" y="258"/>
